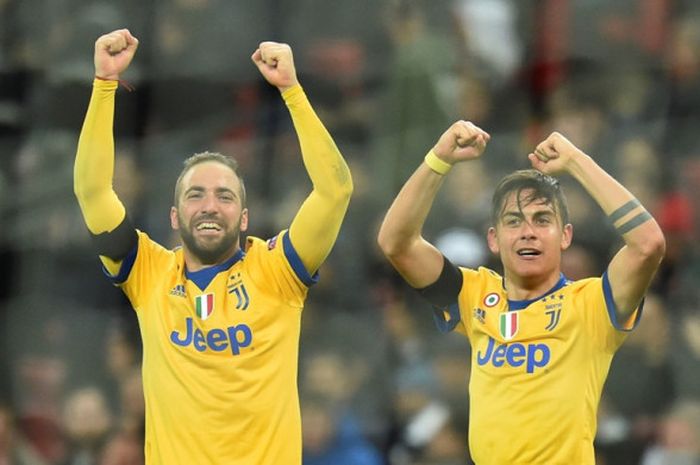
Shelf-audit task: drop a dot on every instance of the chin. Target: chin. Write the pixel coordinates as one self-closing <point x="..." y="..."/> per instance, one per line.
<point x="531" y="270"/>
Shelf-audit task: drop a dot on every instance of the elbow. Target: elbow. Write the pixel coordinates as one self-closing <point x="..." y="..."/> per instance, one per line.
<point x="84" y="193"/>
<point x="389" y="244"/>
<point x="653" y="248"/>
<point x="347" y="189"/>
<point x="384" y="243"/>
<point x="342" y="194"/>
<point x="82" y="187"/>
<point x="80" y="193"/>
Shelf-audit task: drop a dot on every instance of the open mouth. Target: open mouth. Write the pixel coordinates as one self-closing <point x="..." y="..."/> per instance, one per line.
<point x="208" y="226"/>
<point x="528" y="253"/>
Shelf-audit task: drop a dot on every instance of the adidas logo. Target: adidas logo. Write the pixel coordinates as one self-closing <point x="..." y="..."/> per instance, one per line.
<point x="178" y="290"/>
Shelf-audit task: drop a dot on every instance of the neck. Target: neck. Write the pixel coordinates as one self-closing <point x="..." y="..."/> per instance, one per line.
<point x="527" y="288"/>
<point x="195" y="263"/>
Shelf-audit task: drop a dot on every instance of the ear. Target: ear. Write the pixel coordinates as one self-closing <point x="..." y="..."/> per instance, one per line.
<point x="244" y="220"/>
<point x="567" y="236"/>
<point x="492" y="240"/>
<point x="174" y="220"/>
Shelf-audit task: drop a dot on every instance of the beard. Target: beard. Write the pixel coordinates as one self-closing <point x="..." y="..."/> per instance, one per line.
<point x="210" y="251"/>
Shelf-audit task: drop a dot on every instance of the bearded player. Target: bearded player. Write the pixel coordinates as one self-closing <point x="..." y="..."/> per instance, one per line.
<point x="219" y="322"/>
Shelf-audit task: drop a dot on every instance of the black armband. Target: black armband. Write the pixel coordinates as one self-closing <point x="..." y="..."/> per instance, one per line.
<point x="117" y="243"/>
<point x="445" y="290"/>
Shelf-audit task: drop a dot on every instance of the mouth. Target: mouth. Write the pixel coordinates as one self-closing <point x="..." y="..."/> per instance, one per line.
<point x="208" y="227"/>
<point x="528" y="253"/>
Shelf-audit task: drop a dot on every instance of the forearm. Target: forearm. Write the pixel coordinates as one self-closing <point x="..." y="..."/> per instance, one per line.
<point x="94" y="162"/>
<point x="325" y="165"/>
<point x="638" y="229"/>
<point x="403" y="223"/>
<point x="317" y="224"/>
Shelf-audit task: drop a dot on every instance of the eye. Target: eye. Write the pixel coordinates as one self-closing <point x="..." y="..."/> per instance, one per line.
<point x="226" y="198"/>
<point x="512" y="221"/>
<point x="193" y="195"/>
<point x="544" y="220"/>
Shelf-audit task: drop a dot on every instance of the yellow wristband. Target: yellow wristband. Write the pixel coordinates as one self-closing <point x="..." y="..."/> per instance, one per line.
<point x="437" y="165"/>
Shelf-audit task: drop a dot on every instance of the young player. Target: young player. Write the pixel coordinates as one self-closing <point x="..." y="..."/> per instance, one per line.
<point x="541" y="344"/>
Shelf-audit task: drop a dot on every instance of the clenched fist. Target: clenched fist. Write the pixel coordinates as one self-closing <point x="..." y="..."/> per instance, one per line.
<point x="276" y="64"/>
<point x="113" y="53"/>
<point x="554" y="154"/>
<point x="462" y="141"/>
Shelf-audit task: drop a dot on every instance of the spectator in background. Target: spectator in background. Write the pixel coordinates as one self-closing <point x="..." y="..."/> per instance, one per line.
<point x="639" y="389"/>
<point x="331" y="438"/>
<point x="678" y="442"/>
<point x="414" y="108"/>
<point x="488" y="29"/>
<point x="683" y="74"/>
<point x="87" y="422"/>
<point x="123" y="449"/>
<point x="14" y="450"/>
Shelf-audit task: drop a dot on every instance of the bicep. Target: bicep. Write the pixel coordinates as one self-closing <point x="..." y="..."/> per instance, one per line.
<point x="102" y="210"/>
<point x="630" y="275"/>
<point x="315" y="228"/>
<point x="115" y="245"/>
<point x="420" y="264"/>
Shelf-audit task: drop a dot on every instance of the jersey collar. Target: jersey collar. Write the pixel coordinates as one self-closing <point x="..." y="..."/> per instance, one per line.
<point x="520" y="304"/>
<point x="203" y="277"/>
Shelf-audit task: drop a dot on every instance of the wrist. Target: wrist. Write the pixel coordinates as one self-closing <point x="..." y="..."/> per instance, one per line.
<point x="106" y="77"/>
<point x="437" y="164"/>
<point x="124" y="83"/>
<point x="287" y="90"/>
<point x="578" y="164"/>
<point x="284" y="89"/>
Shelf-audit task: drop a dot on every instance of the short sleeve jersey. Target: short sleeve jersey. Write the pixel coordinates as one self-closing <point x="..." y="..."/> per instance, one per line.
<point x="220" y="349"/>
<point x="538" y="367"/>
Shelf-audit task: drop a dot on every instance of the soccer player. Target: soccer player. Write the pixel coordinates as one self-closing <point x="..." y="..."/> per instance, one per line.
<point x="541" y="344"/>
<point x="219" y="323"/>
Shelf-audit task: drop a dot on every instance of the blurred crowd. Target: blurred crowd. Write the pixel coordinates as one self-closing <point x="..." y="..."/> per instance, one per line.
<point x="379" y="384"/>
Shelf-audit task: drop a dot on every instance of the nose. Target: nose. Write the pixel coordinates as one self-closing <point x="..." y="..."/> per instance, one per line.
<point x="209" y="204"/>
<point x="527" y="231"/>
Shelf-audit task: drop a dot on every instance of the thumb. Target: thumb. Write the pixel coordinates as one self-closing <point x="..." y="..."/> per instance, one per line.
<point x="256" y="56"/>
<point x="536" y="162"/>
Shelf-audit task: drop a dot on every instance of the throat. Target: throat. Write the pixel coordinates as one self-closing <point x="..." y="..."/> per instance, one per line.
<point x="528" y="288"/>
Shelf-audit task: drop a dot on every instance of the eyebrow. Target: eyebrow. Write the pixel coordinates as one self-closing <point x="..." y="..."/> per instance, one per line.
<point x="218" y="190"/>
<point x="536" y="214"/>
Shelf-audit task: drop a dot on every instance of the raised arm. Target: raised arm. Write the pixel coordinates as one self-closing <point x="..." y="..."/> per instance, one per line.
<point x="317" y="223"/>
<point x="94" y="161"/>
<point x="633" y="267"/>
<point x="400" y="239"/>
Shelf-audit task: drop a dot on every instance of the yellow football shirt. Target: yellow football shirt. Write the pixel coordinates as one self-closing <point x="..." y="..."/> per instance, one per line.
<point x="538" y="367"/>
<point x="220" y="349"/>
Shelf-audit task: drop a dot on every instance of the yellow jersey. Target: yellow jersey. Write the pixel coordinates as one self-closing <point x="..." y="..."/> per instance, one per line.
<point x="220" y="349"/>
<point x="538" y="367"/>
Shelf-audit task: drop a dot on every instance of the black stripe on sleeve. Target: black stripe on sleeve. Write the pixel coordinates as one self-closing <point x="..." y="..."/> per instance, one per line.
<point x="118" y="243"/>
<point x="445" y="290"/>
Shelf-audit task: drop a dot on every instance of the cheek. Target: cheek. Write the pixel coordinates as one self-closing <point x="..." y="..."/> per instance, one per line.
<point x="183" y="217"/>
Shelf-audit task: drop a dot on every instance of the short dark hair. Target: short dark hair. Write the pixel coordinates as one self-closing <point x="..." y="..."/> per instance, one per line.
<point x="539" y="186"/>
<point x="203" y="157"/>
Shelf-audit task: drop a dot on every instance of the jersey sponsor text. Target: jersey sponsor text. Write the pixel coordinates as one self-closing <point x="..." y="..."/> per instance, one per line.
<point x="235" y="337"/>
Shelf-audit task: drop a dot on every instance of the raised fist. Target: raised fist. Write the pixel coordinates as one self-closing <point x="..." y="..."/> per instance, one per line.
<point x="552" y="155"/>
<point x="113" y="53"/>
<point x="462" y="141"/>
<point x="276" y="64"/>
